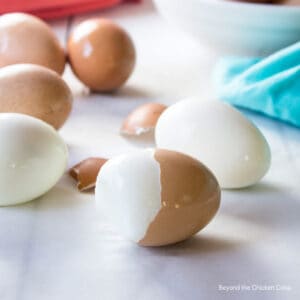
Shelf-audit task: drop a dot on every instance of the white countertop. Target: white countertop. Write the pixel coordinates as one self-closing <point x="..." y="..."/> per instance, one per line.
<point x="58" y="248"/>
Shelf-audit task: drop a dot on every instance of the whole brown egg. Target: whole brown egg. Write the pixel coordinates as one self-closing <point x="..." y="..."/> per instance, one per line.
<point x="101" y="54"/>
<point x="260" y="1"/>
<point x="35" y="91"/>
<point x="27" y="39"/>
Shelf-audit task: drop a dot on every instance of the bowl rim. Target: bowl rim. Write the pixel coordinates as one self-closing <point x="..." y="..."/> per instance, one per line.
<point x="265" y="6"/>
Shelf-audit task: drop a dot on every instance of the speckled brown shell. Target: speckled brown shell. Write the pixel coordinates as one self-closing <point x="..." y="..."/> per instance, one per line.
<point x="101" y="54"/>
<point x="190" y="197"/>
<point x="28" y="39"/>
<point x="36" y="91"/>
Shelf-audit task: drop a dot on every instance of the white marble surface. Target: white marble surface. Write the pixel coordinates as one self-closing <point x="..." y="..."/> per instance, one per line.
<point x="58" y="248"/>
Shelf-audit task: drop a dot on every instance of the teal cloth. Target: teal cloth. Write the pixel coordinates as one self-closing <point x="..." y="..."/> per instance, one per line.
<point x="267" y="85"/>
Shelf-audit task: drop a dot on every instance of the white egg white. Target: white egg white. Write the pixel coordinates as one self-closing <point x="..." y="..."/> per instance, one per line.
<point x="219" y="136"/>
<point x="128" y="193"/>
<point x="33" y="157"/>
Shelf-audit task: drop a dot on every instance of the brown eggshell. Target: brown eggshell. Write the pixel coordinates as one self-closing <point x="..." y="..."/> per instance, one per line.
<point x="36" y="91"/>
<point x="190" y="197"/>
<point x="289" y="2"/>
<point x="86" y="172"/>
<point x="101" y="54"/>
<point x="142" y="119"/>
<point x="258" y="1"/>
<point x="27" y="39"/>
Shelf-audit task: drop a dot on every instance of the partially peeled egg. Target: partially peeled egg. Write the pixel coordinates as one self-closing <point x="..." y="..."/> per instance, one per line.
<point x="156" y="197"/>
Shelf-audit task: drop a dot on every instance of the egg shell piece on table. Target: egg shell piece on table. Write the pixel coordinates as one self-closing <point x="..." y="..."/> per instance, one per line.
<point x="156" y="197"/>
<point x="36" y="91"/>
<point x="101" y="54"/>
<point x="143" y="119"/>
<point x="33" y="157"/>
<point x="27" y="39"/>
<point x="218" y="135"/>
<point x="86" y="171"/>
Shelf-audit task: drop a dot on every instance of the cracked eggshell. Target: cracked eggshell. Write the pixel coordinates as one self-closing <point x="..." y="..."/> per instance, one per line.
<point x="157" y="197"/>
<point x="27" y="39"/>
<point x="218" y="135"/>
<point x="36" y="91"/>
<point x="85" y="172"/>
<point x="101" y="54"/>
<point x="143" y="119"/>
<point x="33" y="157"/>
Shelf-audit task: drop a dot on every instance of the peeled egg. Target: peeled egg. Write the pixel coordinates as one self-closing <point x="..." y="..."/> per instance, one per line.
<point x="27" y="39"/>
<point x="33" y="157"/>
<point x="101" y="54"/>
<point x="218" y="135"/>
<point x="143" y="119"/>
<point x="36" y="91"/>
<point x="156" y="197"/>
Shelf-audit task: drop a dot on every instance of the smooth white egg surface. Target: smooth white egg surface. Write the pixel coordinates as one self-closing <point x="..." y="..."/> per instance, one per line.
<point x="219" y="136"/>
<point x="33" y="157"/>
<point x="128" y="193"/>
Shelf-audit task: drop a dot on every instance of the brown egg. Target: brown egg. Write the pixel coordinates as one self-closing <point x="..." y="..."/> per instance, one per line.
<point x="27" y="39"/>
<point x="85" y="172"/>
<point x="259" y="1"/>
<point x="143" y="119"/>
<point x="157" y="197"/>
<point x="36" y="91"/>
<point x="101" y="54"/>
<point x="289" y="2"/>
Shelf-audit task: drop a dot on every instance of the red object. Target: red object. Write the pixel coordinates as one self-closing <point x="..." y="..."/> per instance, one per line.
<point x="50" y="9"/>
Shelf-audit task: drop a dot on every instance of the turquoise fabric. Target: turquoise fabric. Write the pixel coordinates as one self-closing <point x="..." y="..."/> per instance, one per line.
<point x="270" y="85"/>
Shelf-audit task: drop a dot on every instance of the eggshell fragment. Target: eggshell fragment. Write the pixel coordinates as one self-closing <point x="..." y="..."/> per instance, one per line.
<point x="101" y="54"/>
<point x="27" y="39"/>
<point x="85" y="173"/>
<point x="157" y="197"/>
<point x="33" y="157"/>
<point x="143" y="119"/>
<point x="230" y="145"/>
<point x="36" y="91"/>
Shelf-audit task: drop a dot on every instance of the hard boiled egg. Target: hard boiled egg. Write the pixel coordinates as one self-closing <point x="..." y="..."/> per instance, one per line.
<point x="218" y="135"/>
<point x="156" y="197"/>
<point x="33" y="157"/>
<point x="27" y="39"/>
<point x="36" y="91"/>
<point x="101" y="54"/>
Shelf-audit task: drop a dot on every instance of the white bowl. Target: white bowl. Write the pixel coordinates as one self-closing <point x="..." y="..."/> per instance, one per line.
<point x="236" y="27"/>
